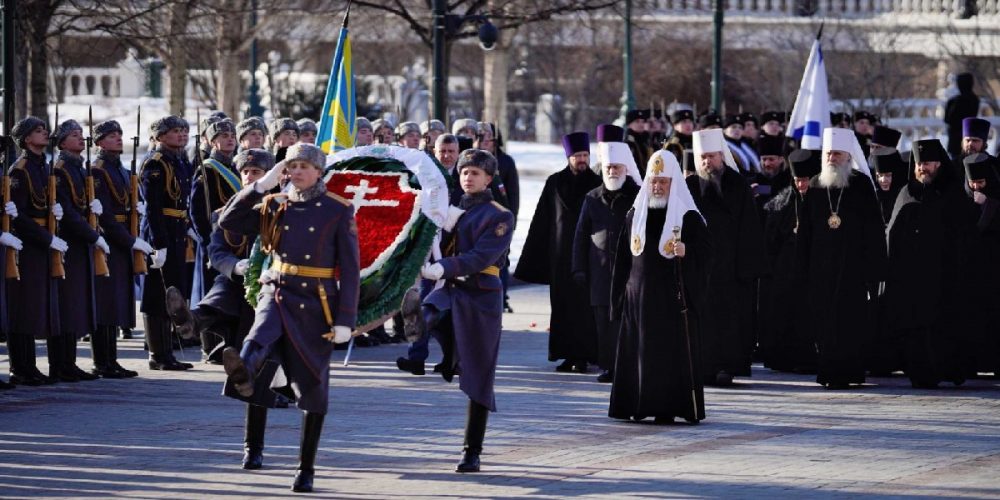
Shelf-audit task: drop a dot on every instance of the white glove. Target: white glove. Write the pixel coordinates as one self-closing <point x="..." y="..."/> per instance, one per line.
<point x="159" y="258"/>
<point x="141" y="245"/>
<point x="270" y="179"/>
<point x="140" y="206"/>
<point x="241" y="267"/>
<point x="11" y="209"/>
<point x="267" y="276"/>
<point x="341" y="334"/>
<point x="978" y="197"/>
<point x="57" y="211"/>
<point x="103" y="245"/>
<point x="58" y="244"/>
<point x="194" y="235"/>
<point x="96" y="208"/>
<point x="432" y="272"/>
<point x="453" y="214"/>
<point x="9" y="240"/>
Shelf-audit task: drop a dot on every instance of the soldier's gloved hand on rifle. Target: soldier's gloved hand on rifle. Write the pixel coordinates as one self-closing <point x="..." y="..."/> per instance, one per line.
<point x="140" y="207"/>
<point x="432" y="271"/>
<point x="57" y="211"/>
<point x="270" y="179"/>
<point x="96" y="208"/>
<point x="103" y="245"/>
<point x="341" y="334"/>
<point x="453" y="214"/>
<point x="9" y="240"/>
<point x="159" y="258"/>
<point x="58" y="244"/>
<point x="241" y="267"/>
<point x="141" y="245"/>
<point x="10" y="209"/>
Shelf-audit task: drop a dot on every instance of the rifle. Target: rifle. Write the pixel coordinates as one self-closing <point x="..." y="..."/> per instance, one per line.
<point x="204" y="171"/>
<point x="53" y="224"/>
<point x="100" y="259"/>
<point x="11" y="258"/>
<point x="138" y="258"/>
<point x="684" y="314"/>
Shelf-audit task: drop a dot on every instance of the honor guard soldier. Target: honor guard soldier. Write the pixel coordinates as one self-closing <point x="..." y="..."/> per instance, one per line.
<point x="307" y="130"/>
<point x="429" y="132"/>
<point x="9" y="246"/>
<point x="205" y="144"/>
<point x="683" y="128"/>
<point x="365" y="134"/>
<point x="302" y="305"/>
<point x="383" y="131"/>
<point x="466" y="313"/>
<point x="32" y="301"/>
<point x="250" y="133"/>
<point x="166" y="187"/>
<point x="283" y="133"/>
<point x="76" y="291"/>
<point x="214" y="183"/>
<point x="116" y="292"/>
<point x="408" y="135"/>
<point x="223" y="316"/>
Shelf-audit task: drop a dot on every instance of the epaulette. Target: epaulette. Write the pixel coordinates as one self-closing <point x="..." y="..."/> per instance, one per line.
<point x="19" y="164"/>
<point x="58" y="165"/>
<point x="156" y="156"/>
<point x="99" y="163"/>
<point x="339" y="198"/>
<point x="499" y="206"/>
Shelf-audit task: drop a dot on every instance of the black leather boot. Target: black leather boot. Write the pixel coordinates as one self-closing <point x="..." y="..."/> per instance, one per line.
<point x="99" y="352"/>
<point x="111" y="337"/>
<point x="242" y="367"/>
<point x="475" y="432"/>
<point x="22" y="361"/>
<point x="57" y="360"/>
<point x="253" y="440"/>
<point x="161" y="355"/>
<point x="180" y="314"/>
<point x="312" y="426"/>
<point x="69" y="350"/>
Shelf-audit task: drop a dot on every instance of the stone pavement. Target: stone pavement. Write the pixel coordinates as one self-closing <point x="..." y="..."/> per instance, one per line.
<point x="389" y="434"/>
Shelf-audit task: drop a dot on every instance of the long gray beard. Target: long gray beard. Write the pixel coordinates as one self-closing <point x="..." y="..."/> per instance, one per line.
<point x="613" y="184"/>
<point x="657" y="201"/>
<point x="297" y="195"/>
<point x="835" y="176"/>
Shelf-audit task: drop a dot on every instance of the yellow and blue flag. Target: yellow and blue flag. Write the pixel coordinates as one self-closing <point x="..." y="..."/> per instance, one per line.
<point x="337" y="127"/>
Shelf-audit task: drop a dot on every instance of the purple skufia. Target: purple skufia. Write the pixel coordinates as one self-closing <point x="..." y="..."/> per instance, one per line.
<point x="607" y="132"/>
<point x="576" y="142"/>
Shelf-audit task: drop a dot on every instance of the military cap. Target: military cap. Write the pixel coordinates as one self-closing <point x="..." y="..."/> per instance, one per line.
<point x="864" y="115"/>
<point x="259" y="158"/>
<point x="463" y="123"/>
<point x="837" y="118"/>
<point x="709" y="120"/>
<point x="748" y="117"/>
<point x="306" y="152"/>
<point x="218" y="127"/>
<point x="105" y="128"/>
<point x="483" y="127"/>
<point x="432" y="125"/>
<point x="362" y="122"/>
<point x="772" y="116"/>
<point x="732" y="120"/>
<point x="207" y="122"/>
<point x="381" y="123"/>
<point x="248" y="124"/>
<point x="65" y="129"/>
<point x="681" y="115"/>
<point x="279" y="125"/>
<point x="405" y="128"/>
<point x="636" y="114"/>
<point x="168" y="123"/>
<point x="477" y="158"/>
<point x="23" y="128"/>
<point x="307" y="125"/>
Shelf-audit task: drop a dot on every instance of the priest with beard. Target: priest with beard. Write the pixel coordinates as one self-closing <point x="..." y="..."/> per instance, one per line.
<point x="842" y="250"/>
<point x="724" y="199"/>
<point x="980" y="266"/>
<point x="547" y="255"/>
<point x="773" y="176"/>
<point x="785" y="343"/>
<point x="659" y="292"/>
<point x="975" y="133"/>
<point x="601" y="221"/>
<point x="923" y="288"/>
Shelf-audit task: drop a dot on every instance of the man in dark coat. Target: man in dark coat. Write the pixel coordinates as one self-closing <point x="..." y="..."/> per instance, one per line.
<point x="683" y="120"/>
<point x="303" y="308"/>
<point x="465" y="314"/>
<point x="547" y="257"/>
<point x="923" y="288"/>
<point x="660" y="294"/>
<point x="975" y="133"/>
<point x="115" y="292"/>
<point x="958" y="108"/>
<point x="725" y="200"/>
<point x="33" y="300"/>
<point x="166" y="187"/>
<point x="980" y="266"/>
<point x="773" y="177"/>
<point x="785" y="343"/>
<point x="76" y="291"/>
<point x="602" y="218"/>
<point x="842" y="250"/>
<point x="637" y="136"/>
<point x="890" y="176"/>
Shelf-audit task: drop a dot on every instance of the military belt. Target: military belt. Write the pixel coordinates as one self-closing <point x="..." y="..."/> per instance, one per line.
<point x="492" y="271"/>
<point x="304" y="271"/>
<point x="121" y="218"/>
<point x="41" y="221"/>
<point x="175" y="213"/>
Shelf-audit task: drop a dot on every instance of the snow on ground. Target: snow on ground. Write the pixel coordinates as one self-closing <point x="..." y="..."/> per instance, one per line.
<point x="534" y="161"/>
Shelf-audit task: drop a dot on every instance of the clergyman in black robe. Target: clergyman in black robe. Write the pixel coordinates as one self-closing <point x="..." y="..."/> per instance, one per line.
<point x="546" y="258"/>
<point x="842" y="249"/>
<point x="659" y="283"/>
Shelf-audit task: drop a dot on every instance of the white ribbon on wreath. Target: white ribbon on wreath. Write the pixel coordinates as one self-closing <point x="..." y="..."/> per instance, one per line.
<point x="433" y="186"/>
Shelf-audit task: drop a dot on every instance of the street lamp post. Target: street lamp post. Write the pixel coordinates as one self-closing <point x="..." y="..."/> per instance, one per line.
<point x="628" y="95"/>
<point x="446" y="25"/>
<point x="8" y="65"/>
<point x="255" y="108"/>
<point x="717" y="57"/>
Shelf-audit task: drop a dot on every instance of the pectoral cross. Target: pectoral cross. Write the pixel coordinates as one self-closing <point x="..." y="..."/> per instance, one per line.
<point x="359" y="200"/>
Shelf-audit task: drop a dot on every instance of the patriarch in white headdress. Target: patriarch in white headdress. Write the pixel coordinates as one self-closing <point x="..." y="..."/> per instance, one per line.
<point x="676" y="198"/>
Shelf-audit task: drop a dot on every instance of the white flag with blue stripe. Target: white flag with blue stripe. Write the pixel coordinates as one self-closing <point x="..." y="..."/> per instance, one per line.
<point x="811" y="113"/>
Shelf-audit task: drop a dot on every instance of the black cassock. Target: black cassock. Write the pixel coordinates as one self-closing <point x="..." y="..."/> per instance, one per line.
<point x="652" y="375"/>
<point x="980" y="267"/>
<point x="840" y="265"/>
<point x="739" y="259"/>
<point x="924" y="288"/>
<point x="786" y="344"/>
<point x="547" y="257"/>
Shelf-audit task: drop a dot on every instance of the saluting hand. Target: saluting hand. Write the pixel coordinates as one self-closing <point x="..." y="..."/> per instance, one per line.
<point x="270" y="179"/>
